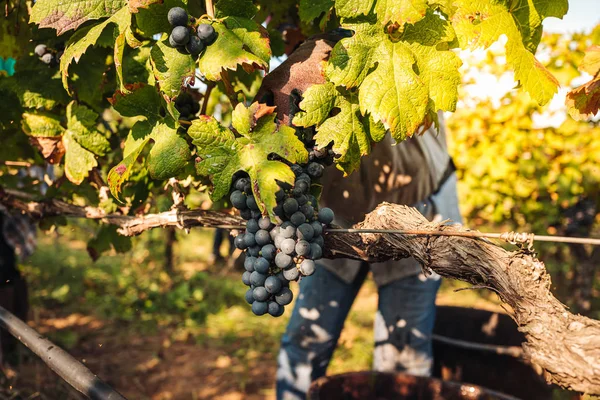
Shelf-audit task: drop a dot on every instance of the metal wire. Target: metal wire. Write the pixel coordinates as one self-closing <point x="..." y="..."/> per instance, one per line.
<point x="511" y="237"/>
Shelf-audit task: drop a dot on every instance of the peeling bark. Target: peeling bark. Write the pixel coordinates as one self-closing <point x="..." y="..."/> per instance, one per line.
<point x="564" y="345"/>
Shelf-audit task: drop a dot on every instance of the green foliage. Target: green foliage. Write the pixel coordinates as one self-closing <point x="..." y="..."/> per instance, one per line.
<point x="221" y="154"/>
<point x="108" y="110"/>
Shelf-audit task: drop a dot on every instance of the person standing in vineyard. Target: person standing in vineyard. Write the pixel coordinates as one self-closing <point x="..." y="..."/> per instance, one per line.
<point x="417" y="172"/>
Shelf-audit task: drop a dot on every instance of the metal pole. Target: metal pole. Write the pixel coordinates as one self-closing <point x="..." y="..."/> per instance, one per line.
<point x="68" y="368"/>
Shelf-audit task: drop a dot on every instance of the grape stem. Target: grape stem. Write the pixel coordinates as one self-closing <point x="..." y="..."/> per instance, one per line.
<point x="209" y="87"/>
<point x="229" y="89"/>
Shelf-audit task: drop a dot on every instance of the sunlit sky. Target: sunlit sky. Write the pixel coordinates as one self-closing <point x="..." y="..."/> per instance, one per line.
<point x="582" y="15"/>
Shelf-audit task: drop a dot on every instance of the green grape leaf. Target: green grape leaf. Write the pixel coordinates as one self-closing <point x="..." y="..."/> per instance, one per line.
<point x="41" y="124"/>
<point x="121" y="172"/>
<point x="83" y="38"/>
<point x="171" y="68"/>
<point x="308" y="10"/>
<point x="401" y="104"/>
<point x="401" y="12"/>
<point x="529" y="14"/>
<point x="352" y="8"/>
<point x="94" y="68"/>
<point x="169" y="154"/>
<point x="15" y="33"/>
<point x="235" y="8"/>
<point x="78" y="161"/>
<point x="352" y="58"/>
<point x="136" y="5"/>
<point x="81" y="125"/>
<point x="317" y="102"/>
<point x="244" y="119"/>
<point x="139" y="100"/>
<point x="153" y="20"/>
<point x="36" y="85"/>
<point x="240" y="41"/>
<point x="480" y="23"/>
<point x="64" y="15"/>
<point x="350" y="132"/>
<point x="221" y="154"/>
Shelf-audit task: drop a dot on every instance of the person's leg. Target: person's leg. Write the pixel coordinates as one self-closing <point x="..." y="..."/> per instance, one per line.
<point x="313" y="330"/>
<point x="404" y="323"/>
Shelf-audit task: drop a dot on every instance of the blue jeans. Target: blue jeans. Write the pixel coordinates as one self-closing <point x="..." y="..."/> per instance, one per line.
<point x="403" y="325"/>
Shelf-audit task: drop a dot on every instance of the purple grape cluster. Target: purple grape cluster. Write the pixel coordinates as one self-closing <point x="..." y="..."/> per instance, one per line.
<point x="184" y="37"/>
<point x="279" y="254"/>
<point x="47" y="55"/>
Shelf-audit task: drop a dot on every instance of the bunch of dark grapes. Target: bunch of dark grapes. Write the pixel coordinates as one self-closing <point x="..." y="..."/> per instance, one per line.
<point x="187" y="38"/>
<point x="47" y="55"/>
<point x="187" y="106"/>
<point x="279" y="254"/>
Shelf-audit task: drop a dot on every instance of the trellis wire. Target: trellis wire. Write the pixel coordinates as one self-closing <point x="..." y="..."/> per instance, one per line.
<point x="510" y="237"/>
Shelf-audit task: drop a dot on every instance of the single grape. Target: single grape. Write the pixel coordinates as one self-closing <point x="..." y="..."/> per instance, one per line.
<point x="303" y="177"/>
<point x="302" y="248"/>
<point x="291" y="274"/>
<point x="264" y="223"/>
<point x="319" y="240"/>
<point x="298" y="218"/>
<point x="326" y="215"/>
<point x="39" y="50"/>
<point x="180" y="35"/>
<point x="287" y="229"/>
<point x="284" y="297"/>
<point x="273" y="284"/>
<point x="47" y="58"/>
<point x="316" y="251"/>
<point x="296" y="169"/>
<point x="185" y="110"/>
<point x="177" y="16"/>
<point x="249" y="263"/>
<point x="183" y="99"/>
<point x="241" y="183"/>
<point x="246" y="278"/>
<point x="280" y="195"/>
<point x="268" y="251"/>
<point x="308" y="211"/>
<point x="302" y="200"/>
<point x="275" y="309"/>
<point x="251" y="203"/>
<point x="194" y="46"/>
<point x="260" y="293"/>
<point x="249" y="296"/>
<point x="302" y="186"/>
<point x="252" y="226"/>
<point x="305" y="231"/>
<point x="246" y="214"/>
<point x="315" y="170"/>
<point x="262" y="265"/>
<point x="274" y="232"/>
<point x="239" y="242"/>
<point x="317" y="228"/>
<point x="253" y="251"/>
<point x="257" y="279"/>
<point x="283" y="260"/>
<point x="249" y="239"/>
<point x="238" y="200"/>
<point x="287" y="246"/>
<point x="259" y="308"/>
<point x="278" y="210"/>
<point x="290" y="206"/>
<point x="284" y="282"/>
<point x="278" y="240"/>
<point x="255" y="214"/>
<point x="312" y="200"/>
<point x="206" y="33"/>
<point x="262" y="237"/>
<point x="307" y="267"/>
<point x="195" y="107"/>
